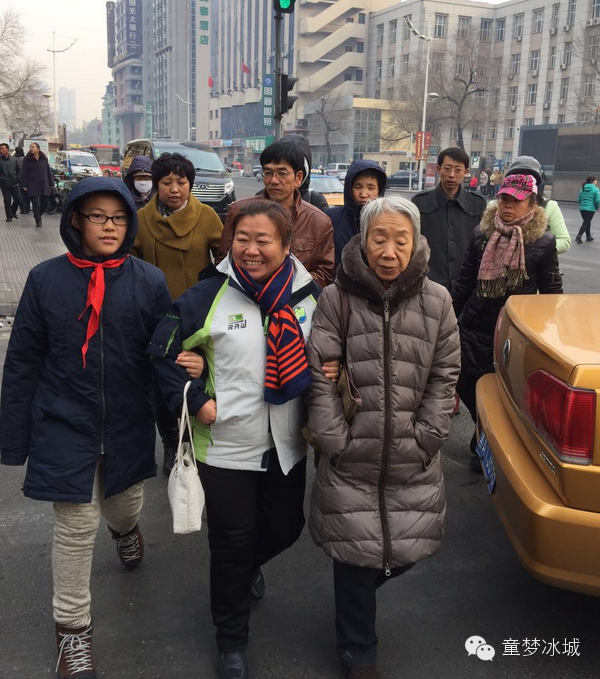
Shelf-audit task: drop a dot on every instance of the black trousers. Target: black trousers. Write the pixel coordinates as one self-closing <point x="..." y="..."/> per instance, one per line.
<point x="12" y="199"/>
<point x="355" y="590"/>
<point x="586" y="227"/>
<point x="252" y="517"/>
<point x="38" y="204"/>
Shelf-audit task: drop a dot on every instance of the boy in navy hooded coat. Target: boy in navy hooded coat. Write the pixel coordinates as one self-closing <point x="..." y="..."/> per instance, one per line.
<point x="78" y="398"/>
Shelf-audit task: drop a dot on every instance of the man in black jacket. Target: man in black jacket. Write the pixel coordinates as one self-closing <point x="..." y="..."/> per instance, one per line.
<point x="10" y="175"/>
<point x="448" y="216"/>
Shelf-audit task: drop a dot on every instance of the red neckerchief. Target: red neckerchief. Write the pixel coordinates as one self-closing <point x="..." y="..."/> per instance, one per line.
<point x="95" y="293"/>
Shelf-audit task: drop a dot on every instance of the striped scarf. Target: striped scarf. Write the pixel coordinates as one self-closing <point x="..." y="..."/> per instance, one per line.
<point x="287" y="372"/>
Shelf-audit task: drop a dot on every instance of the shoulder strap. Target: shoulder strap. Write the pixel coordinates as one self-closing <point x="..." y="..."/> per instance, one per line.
<point x="345" y="318"/>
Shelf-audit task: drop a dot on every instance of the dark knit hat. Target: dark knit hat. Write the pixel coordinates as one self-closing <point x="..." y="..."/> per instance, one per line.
<point x="526" y="165"/>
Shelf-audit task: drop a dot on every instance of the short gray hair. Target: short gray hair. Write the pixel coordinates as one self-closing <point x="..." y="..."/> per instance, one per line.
<point x="394" y="204"/>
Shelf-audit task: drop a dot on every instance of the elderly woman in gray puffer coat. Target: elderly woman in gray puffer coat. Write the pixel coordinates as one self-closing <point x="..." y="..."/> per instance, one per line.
<point x="378" y="503"/>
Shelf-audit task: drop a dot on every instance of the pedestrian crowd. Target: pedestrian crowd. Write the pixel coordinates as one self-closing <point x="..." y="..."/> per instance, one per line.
<point x="352" y="328"/>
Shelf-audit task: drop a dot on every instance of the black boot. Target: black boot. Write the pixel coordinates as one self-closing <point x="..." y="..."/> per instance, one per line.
<point x="232" y="666"/>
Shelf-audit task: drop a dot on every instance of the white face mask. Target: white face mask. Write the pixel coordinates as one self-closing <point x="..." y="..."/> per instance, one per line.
<point x="143" y="186"/>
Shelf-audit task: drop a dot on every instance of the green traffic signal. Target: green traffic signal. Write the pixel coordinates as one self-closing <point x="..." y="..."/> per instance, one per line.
<point x="285" y="6"/>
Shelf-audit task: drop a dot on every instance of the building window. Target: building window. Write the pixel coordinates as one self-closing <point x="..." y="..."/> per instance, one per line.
<point x="537" y="21"/>
<point x="349" y="20"/>
<point x="362" y="18"/>
<point x="358" y="75"/>
<point x="564" y="88"/>
<point x="589" y="85"/>
<point x="513" y="96"/>
<point x="485" y="32"/>
<point x="510" y="129"/>
<point x="592" y="46"/>
<point x="367" y="131"/>
<point x="379" y="35"/>
<point x="549" y="90"/>
<point x="495" y="98"/>
<point x="492" y="129"/>
<point x="348" y="48"/>
<point x="498" y="67"/>
<point x="546" y="120"/>
<point x="595" y="9"/>
<point x="392" y="67"/>
<point x="437" y="62"/>
<point x="464" y="26"/>
<point x="561" y="118"/>
<point x="454" y="132"/>
<point x="531" y="94"/>
<point x="534" y="64"/>
<point x="507" y="157"/>
<point x="567" y="53"/>
<point x="439" y="30"/>
<point x="518" y="25"/>
<point x="405" y="63"/>
<point x="348" y="76"/>
<point x="515" y="64"/>
<point x="500" y="29"/>
<point x="406" y="29"/>
<point x="482" y="67"/>
<point x="529" y="122"/>
<point x="480" y="99"/>
<point x="378" y="69"/>
<point x="393" y="31"/>
<point x="459" y="67"/>
<point x="552" y="57"/>
<point x="360" y="47"/>
<point x="571" y="8"/>
<point x="554" y="18"/>
<point x="476" y="130"/>
<point x="586" y="117"/>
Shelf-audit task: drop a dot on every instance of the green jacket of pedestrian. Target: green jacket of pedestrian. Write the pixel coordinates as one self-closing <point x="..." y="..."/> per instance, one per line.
<point x="589" y="198"/>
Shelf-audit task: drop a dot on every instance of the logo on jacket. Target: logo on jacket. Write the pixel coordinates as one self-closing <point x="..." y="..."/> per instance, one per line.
<point x="236" y="322"/>
<point x="300" y="312"/>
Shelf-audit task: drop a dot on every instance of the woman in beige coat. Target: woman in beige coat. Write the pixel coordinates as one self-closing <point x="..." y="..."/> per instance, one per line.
<point x="378" y="503"/>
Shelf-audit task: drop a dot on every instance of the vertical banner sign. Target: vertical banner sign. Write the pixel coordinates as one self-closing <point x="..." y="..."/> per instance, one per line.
<point x="149" y="118"/>
<point x="426" y="144"/>
<point x="419" y="146"/>
<point x="110" y="32"/>
<point x="268" y="100"/>
<point x="203" y="25"/>
<point x="133" y="20"/>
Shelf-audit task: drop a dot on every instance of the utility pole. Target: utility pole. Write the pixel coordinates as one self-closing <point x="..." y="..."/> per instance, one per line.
<point x="54" y="53"/>
<point x="278" y="29"/>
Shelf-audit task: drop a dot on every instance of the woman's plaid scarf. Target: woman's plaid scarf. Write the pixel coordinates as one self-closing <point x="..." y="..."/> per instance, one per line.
<point x="287" y="371"/>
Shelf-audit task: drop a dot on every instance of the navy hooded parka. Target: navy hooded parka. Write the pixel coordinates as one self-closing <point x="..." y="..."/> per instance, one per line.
<point x="59" y="416"/>
<point x="346" y="218"/>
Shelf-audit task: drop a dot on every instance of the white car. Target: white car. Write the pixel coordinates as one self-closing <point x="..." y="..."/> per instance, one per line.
<point x="77" y="164"/>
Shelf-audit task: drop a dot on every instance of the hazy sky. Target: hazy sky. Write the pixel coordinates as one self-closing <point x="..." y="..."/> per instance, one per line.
<point x="82" y="67"/>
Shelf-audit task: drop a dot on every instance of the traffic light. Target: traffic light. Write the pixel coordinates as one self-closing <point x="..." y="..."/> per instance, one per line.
<point x="286" y="101"/>
<point x="285" y="6"/>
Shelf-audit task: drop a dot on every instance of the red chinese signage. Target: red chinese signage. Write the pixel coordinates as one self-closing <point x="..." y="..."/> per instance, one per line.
<point x="422" y="144"/>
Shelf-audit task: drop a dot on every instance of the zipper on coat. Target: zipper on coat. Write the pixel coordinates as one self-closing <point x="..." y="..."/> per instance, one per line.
<point x="102" y="394"/>
<point x="386" y="443"/>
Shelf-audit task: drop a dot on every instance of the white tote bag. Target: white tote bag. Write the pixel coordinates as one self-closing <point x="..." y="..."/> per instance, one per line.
<point x="186" y="495"/>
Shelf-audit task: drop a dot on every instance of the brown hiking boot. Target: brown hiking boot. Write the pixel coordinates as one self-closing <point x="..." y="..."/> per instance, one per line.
<point x="74" y="653"/>
<point x="130" y="547"/>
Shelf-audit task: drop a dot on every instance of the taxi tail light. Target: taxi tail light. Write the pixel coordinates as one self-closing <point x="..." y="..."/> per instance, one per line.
<point x="497" y="335"/>
<point x="561" y="414"/>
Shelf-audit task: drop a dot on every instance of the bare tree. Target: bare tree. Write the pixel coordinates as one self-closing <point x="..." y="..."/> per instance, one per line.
<point x="586" y="98"/>
<point x="328" y="111"/>
<point x="20" y="84"/>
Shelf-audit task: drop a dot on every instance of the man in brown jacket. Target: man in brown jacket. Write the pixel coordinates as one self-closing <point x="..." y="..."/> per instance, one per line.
<point x="312" y="240"/>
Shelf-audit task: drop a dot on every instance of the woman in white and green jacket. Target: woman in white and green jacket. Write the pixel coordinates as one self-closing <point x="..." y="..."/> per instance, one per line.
<point x="589" y="202"/>
<point x="250" y="317"/>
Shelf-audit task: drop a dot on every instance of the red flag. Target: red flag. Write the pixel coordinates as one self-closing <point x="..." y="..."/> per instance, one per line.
<point x="211" y="82"/>
<point x="245" y="69"/>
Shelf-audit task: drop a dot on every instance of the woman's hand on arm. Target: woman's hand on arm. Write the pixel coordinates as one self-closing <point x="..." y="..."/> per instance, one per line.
<point x="192" y="362"/>
<point x="208" y="413"/>
<point x="331" y="369"/>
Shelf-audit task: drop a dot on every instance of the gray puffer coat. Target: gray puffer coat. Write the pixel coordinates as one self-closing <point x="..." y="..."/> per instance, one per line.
<point x="379" y="499"/>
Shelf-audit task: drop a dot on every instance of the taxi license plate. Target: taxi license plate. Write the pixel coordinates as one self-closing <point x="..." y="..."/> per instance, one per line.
<point x="487" y="461"/>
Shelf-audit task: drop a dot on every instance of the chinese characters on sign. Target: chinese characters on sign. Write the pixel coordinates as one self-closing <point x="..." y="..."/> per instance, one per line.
<point x="258" y="144"/>
<point x="422" y="144"/>
<point x="268" y="100"/>
<point x="203" y="25"/>
<point x="555" y="647"/>
<point x="132" y="20"/>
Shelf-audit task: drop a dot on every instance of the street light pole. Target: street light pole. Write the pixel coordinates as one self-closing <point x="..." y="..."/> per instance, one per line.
<point x="428" y="39"/>
<point x="54" y="53"/>
<point x="189" y="103"/>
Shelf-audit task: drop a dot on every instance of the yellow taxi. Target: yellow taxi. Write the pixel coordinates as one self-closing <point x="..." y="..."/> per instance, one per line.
<point x="538" y="444"/>
<point x="331" y="187"/>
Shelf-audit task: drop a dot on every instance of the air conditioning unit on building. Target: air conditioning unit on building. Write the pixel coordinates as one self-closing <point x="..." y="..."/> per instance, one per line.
<point x="519" y="38"/>
<point x="513" y="108"/>
<point x="546" y="104"/>
<point x="562" y="102"/>
<point x="553" y="31"/>
<point x="589" y="22"/>
<point x="566" y="29"/>
<point x="535" y="73"/>
<point x="511" y="76"/>
<point x="596" y="21"/>
<point x="563" y="66"/>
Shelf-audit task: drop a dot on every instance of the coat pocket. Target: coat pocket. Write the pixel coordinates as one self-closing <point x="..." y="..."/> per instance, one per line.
<point x="241" y="413"/>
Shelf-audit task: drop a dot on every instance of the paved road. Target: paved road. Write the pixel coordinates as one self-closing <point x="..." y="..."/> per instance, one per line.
<point x="155" y="623"/>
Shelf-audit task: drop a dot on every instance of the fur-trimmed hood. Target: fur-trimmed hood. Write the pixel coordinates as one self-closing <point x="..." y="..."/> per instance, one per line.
<point x="531" y="231"/>
<point x="355" y="276"/>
